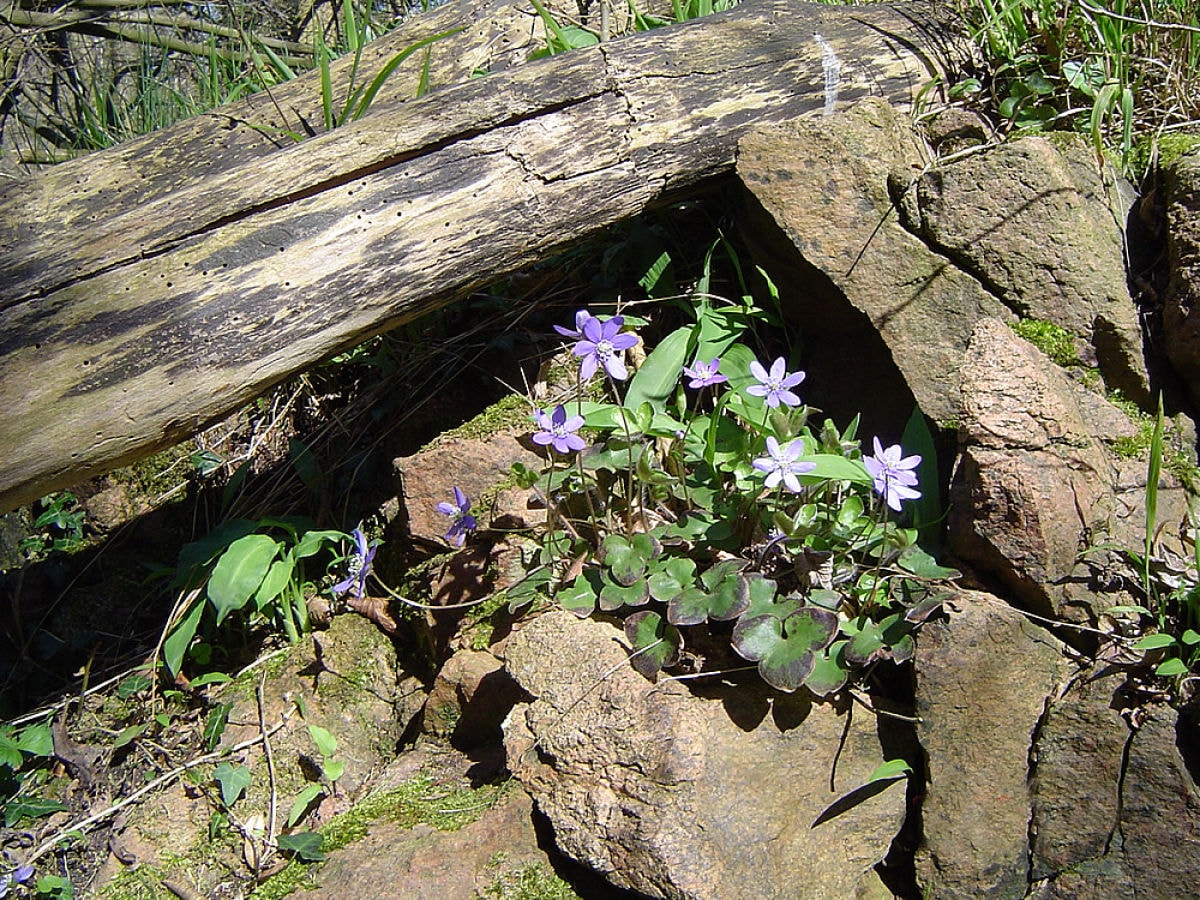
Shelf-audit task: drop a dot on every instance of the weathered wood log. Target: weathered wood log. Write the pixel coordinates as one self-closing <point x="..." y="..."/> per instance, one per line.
<point x="128" y="322"/>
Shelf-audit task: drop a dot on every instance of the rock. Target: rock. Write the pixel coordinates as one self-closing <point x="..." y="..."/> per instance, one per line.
<point x="424" y="863"/>
<point x="1181" y="304"/>
<point x="476" y="466"/>
<point x="983" y="678"/>
<point x="1042" y="226"/>
<point x="859" y="270"/>
<point x="679" y="796"/>
<point x="471" y="695"/>
<point x="1116" y="808"/>
<point x="1034" y="484"/>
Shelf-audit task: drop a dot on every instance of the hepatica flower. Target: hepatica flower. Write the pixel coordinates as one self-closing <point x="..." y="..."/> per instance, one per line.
<point x="581" y="318"/>
<point x="783" y="464"/>
<point x="704" y="374"/>
<point x="558" y="431"/>
<point x="893" y="474"/>
<point x="359" y="567"/>
<point x="463" y="523"/>
<point x="775" y="387"/>
<point x="602" y="345"/>
<point x="19" y="877"/>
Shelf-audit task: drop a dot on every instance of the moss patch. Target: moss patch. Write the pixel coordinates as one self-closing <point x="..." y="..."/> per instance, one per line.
<point x="533" y="881"/>
<point x="416" y="802"/>
<point x="1053" y="340"/>
<point x="510" y="412"/>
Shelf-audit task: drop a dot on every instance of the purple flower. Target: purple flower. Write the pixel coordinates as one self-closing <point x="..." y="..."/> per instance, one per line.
<point x="602" y="344"/>
<point x="463" y="523"/>
<point x="704" y="374"/>
<point x="782" y="464"/>
<point x="893" y="475"/>
<point x="558" y="431"/>
<point x="775" y="385"/>
<point x="359" y="567"/>
<point x="581" y="318"/>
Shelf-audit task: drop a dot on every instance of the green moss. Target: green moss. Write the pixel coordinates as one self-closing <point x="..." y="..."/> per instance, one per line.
<point x="1056" y="342"/>
<point x="532" y="881"/>
<point x="1169" y="146"/>
<point x="416" y="802"/>
<point x="156" y="475"/>
<point x="511" y="412"/>
<point x="1178" y="459"/>
<point x="479" y="621"/>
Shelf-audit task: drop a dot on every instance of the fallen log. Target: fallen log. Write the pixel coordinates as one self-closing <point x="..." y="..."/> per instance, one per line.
<point x="129" y="322"/>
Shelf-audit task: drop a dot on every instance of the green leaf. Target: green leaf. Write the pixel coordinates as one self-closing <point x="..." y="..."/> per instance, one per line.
<point x="214" y="725"/>
<point x="312" y="542"/>
<point x="921" y="564"/>
<point x="672" y="578"/>
<point x="19" y="808"/>
<point x="325" y="741"/>
<point x="333" y="769"/>
<point x="785" y="650"/>
<point x="615" y="595"/>
<point x="180" y="638"/>
<point x="132" y="685"/>
<point x="891" y="770"/>
<point x="36" y="740"/>
<point x="196" y="556"/>
<point x="128" y="735"/>
<point x="835" y="468"/>
<point x="239" y="572"/>
<point x="302" y="802"/>
<point x="305" y="846"/>
<point x="210" y="678"/>
<point x="728" y="589"/>
<point x="830" y="671"/>
<point x="233" y="780"/>
<point x="10" y="753"/>
<point x="655" y="642"/>
<point x="1171" y="667"/>
<point x="581" y="595"/>
<point x="1154" y="642"/>
<point x="655" y="381"/>
<point x="626" y="559"/>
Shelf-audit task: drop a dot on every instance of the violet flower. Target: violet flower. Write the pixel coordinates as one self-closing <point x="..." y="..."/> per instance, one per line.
<point x="601" y="345"/>
<point x="359" y="567"/>
<point x="783" y="464"/>
<point x="20" y="876"/>
<point x="463" y="523"/>
<point x="892" y="474"/>
<point x="558" y="431"/>
<point x="704" y="374"/>
<point x="775" y="386"/>
<point x="581" y="319"/>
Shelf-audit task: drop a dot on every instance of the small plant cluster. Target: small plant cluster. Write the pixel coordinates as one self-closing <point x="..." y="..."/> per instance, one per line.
<point x="1114" y="70"/>
<point x="706" y="493"/>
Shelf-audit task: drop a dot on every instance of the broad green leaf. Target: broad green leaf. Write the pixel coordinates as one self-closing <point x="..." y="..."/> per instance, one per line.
<point x="926" y="511"/>
<point x="655" y="642"/>
<point x="885" y="775"/>
<point x="835" y="468"/>
<point x="302" y="802"/>
<point x="671" y="578"/>
<point x="210" y="678"/>
<point x="830" y="670"/>
<point x="10" y="753"/>
<point x="614" y="595"/>
<point x="728" y="589"/>
<point x="785" y="650"/>
<point x="655" y="381"/>
<point x="233" y="781"/>
<point x="132" y="685"/>
<point x="197" y="555"/>
<point x="305" y="846"/>
<point x="333" y="769"/>
<point x="1154" y="642"/>
<point x="36" y="740"/>
<point x="921" y="564"/>
<point x="688" y="607"/>
<point x="1171" y="667"/>
<point x="239" y="572"/>
<point x="325" y="741"/>
<point x="278" y="577"/>
<point x="19" y="808"/>
<point x="180" y="638"/>
<point x="311" y="542"/>
<point x="581" y="595"/>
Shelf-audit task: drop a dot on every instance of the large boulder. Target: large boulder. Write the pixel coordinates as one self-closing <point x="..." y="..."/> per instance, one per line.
<point x="1181" y="304"/>
<point x="687" y="797"/>
<point x="984" y="675"/>
<point x="1036" y="483"/>
<point x="855" y="273"/>
<point x="1042" y="226"/>
<point x="1116" y="804"/>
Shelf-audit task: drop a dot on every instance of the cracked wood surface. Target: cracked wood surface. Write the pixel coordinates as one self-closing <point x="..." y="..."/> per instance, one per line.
<point x="132" y="315"/>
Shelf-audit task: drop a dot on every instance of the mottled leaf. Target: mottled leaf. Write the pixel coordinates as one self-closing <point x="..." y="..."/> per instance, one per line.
<point x="656" y="643"/>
